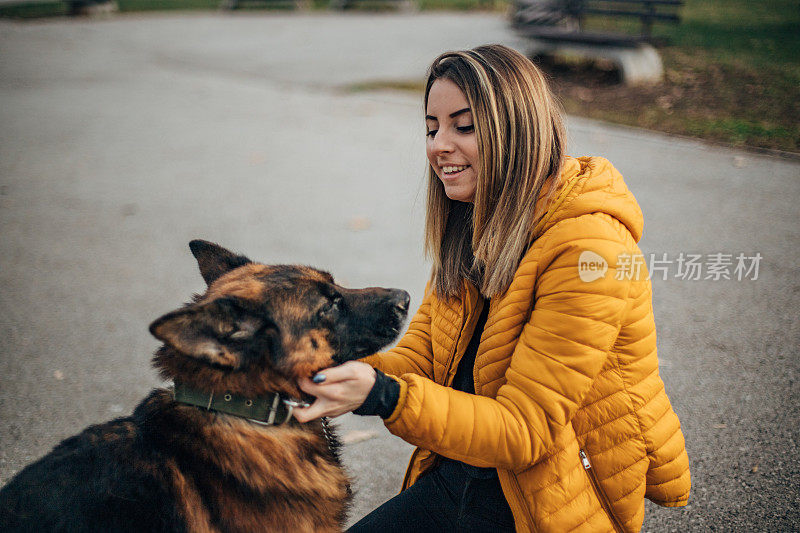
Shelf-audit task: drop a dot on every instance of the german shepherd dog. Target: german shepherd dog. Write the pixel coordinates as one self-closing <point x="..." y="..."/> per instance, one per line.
<point x="221" y="451"/>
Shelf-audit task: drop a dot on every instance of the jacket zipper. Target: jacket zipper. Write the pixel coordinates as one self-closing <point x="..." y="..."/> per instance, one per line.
<point x="451" y="356"/>
<point x="408" y="470"/>
<point x="468" y="322"/>
<point x="434" y="460"/>
<point x="519" y="505"/>
<point x="587" y="465"/>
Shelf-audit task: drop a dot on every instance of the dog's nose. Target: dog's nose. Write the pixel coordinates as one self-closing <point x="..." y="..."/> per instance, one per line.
<point x="401" y="300"/>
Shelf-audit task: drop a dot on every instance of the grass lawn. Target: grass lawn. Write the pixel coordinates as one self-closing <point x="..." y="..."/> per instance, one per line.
<point x="732" y="75"/>
<point x="732" y="68"/>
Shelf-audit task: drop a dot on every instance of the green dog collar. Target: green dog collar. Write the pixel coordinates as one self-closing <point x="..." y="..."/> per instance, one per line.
<point x="268" y="410"/>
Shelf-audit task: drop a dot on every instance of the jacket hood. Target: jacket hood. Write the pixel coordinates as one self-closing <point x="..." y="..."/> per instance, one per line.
<point x="595" y="186"/>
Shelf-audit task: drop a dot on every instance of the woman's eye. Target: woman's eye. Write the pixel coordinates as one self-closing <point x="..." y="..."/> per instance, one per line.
<point x="431" y="133"/>
<point x="466" y="129"/>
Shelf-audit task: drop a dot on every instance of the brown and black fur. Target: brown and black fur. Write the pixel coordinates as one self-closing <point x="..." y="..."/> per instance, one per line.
<point x="175" y="467"/>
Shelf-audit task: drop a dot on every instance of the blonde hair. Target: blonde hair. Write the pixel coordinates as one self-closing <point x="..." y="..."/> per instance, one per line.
<point x="520" y="135"/>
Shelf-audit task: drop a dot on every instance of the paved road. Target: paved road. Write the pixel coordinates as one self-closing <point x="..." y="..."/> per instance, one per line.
<point x="121" y="140"/>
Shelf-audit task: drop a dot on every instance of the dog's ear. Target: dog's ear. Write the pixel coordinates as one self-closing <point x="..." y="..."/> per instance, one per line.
<point x="214" y="332"/>
<point x="214" y="260"/>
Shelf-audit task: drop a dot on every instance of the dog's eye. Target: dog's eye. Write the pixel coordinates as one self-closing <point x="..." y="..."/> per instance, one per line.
<point x="241" y="334"/>
<point x="331" y="307"/>
<point x="244" y="329"/>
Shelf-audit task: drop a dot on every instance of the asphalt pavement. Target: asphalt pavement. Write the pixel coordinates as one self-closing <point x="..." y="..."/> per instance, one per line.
<point x="123" y="139"/>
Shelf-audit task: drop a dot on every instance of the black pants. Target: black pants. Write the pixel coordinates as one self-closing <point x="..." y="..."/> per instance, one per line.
<point x="445" y="499"/>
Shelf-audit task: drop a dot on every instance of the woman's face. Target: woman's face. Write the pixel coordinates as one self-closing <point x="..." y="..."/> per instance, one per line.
<point x="452" y="145"/>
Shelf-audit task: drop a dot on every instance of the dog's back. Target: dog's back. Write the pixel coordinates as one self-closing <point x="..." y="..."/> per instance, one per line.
<point x="106" y="478"/>
<point x="172" y="467"/>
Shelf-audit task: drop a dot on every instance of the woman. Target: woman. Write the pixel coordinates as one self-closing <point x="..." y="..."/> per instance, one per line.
<point x="528" y="378"/>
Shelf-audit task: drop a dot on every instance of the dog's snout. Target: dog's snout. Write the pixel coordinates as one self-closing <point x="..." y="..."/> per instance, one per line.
<point x="401" y="300"/>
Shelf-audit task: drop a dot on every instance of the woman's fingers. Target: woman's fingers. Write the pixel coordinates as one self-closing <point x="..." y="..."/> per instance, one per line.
<point x="323" y="407"/>
<point x="334" y="374"/>
<point x="314" y="411"/>
<point x="307" y="386"/>
<point x="345" y="388"/>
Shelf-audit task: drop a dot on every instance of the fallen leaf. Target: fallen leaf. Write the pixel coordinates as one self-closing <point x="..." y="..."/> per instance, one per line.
<point x="58" y="374"/>
<point x="754" y="469"/>
<point x="257" y="158"/>
<point x="359" y="223"/>
<point x="720" y="426"/>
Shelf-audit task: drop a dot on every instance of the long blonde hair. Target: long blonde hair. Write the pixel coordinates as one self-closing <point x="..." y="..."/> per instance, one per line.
<point x="521" y="137"/>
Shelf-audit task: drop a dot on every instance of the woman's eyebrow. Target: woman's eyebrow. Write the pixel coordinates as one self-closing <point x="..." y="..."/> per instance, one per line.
<point x="452" y="115"/>
<point x="460" y="111"/>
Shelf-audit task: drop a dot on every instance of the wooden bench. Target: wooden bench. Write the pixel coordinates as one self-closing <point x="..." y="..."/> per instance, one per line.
<point x="404" y="6"/>
<point x="230" y="5"/>
<point x="91" y="8"/>
<point x="553" y="26"/>
<point x="335" y="5"/>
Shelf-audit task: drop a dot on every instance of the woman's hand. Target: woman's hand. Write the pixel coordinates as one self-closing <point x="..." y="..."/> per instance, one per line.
<point x="344" y="388"/>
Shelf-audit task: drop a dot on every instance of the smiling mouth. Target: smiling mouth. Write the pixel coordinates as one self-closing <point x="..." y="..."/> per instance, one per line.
<point x="453" y="170"/>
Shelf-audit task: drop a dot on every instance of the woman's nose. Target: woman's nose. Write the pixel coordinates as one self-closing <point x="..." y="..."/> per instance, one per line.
<point x="442" y="143"/>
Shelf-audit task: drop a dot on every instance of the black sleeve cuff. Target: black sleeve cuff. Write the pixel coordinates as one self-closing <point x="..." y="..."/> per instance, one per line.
<point x="382" y="398"/>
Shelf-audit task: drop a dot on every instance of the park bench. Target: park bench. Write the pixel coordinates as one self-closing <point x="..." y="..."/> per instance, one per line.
<point x="92" y="8"/>
<point x="406" y="6"/>
<point x="230" y="5"/>
<point x="337" y="5"/>
<point x="557" y="26"/>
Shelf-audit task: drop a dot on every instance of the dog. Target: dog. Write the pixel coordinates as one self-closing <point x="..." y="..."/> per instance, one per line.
<point x="220" y="452"/>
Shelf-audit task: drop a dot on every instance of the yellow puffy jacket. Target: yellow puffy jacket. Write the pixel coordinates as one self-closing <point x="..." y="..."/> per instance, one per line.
<point x="569" y="405"/>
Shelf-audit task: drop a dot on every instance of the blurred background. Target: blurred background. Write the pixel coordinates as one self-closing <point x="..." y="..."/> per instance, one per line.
<point x="292" y="132"/>
<point x="730" y="67"/>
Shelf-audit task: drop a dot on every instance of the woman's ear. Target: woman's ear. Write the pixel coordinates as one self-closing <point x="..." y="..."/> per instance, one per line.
<point x="214" y="260"/>
<point x="216" y="332"/>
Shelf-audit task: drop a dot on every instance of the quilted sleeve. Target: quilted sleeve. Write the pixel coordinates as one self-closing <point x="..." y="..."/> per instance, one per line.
<point x="413" y="353"/>
<point x="668" y="478"/>
<point x="562" y="347"/>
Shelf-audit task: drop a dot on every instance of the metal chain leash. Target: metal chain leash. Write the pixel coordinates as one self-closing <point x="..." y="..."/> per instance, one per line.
<point x="326" y="432"/>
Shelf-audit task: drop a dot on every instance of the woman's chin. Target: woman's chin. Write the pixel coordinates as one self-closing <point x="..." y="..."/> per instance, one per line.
<point x="459" y="195"/>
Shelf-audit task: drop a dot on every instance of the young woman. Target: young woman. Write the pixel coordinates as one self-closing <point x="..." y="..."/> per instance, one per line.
<point x="528" y="378"/>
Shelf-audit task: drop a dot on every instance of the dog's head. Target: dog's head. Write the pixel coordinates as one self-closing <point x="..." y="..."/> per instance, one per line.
<point x="259" y="327"/>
